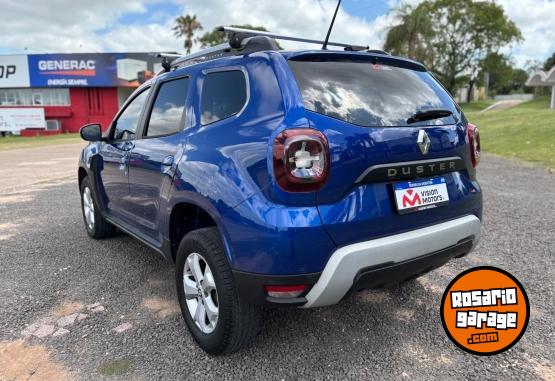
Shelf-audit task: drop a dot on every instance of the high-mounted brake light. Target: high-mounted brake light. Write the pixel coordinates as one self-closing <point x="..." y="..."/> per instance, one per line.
<point x="286" y="291"/>
<point x="301" y="160"/>
<point x="474" y="143"/>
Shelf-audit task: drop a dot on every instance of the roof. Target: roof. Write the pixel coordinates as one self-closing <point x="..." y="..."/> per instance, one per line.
<point x="242" y="42"/>
<point x="542" y="78"/>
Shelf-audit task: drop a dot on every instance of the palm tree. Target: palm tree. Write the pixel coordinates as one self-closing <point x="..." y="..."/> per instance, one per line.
<point x="411" y="37"/>
<point x="186" y="26"/>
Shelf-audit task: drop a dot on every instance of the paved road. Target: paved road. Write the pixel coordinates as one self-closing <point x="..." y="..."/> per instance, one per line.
<point x="53" y="275"/>
<point x="24" y="169"/>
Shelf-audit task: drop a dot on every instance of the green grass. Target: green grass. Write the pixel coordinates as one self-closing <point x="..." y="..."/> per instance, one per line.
<point x="477" y="106"/>
<point x="115" y="367"/>
<point x="525" y="132"/>
<point x="16" y="142"/>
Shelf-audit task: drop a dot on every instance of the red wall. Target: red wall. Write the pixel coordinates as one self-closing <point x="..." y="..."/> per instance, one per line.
<point x="88" y="105"/>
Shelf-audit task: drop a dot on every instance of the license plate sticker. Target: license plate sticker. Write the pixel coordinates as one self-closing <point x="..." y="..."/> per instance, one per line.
<point x="418" y="195"/>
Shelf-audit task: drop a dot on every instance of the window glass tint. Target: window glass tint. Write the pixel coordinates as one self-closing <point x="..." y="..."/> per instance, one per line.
<point x="223" y="95"/>
<point x="126" y="125"/>
<point x="167" y="115"/>
<point x="370" y="95"/>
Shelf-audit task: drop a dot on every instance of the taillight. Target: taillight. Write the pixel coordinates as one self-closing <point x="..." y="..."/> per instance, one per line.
<point x="474" y="143"/>
<point x="286" y="291"/>
<point x="301" y="160"/>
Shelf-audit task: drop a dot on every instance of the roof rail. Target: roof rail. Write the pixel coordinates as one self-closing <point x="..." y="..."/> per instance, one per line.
<point x="167" y="59"/>
<point x="378" y="51"/>
<point x="241" y="41"/>
<point x="198" y="56"/>
<point x="238" y="45"/>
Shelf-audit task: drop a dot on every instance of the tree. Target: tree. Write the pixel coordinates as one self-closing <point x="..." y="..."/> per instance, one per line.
<point x="504" y="78"/>
<point x="518" y="80"/>
<point x="187" y="26"/>
<point x="412" y="36"/>
<point x="498" y="69"/>
<point x="549" y="63"/>
<point x="458" y="34"/>
<point x="216" y="37"/>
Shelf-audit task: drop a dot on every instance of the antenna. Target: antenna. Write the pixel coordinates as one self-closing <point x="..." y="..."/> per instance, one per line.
<point x="325" y="46"/>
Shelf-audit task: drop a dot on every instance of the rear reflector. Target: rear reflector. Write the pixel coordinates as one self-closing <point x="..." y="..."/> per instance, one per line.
<point x="286" y="291"/>
<point x="474" y="143"/>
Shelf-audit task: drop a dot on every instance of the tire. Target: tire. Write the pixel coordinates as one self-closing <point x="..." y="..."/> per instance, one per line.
<point x="97" y="227"/>
<point x="237" y="322"/>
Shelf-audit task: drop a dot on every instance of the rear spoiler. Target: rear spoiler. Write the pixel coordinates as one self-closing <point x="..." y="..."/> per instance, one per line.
<point x="373" y="57"/>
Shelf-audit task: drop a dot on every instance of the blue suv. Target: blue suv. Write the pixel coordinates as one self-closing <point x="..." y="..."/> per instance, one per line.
<point x="284" y="178"/>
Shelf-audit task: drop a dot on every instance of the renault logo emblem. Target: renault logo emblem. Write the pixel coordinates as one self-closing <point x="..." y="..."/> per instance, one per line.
<point x="423" y="142"/>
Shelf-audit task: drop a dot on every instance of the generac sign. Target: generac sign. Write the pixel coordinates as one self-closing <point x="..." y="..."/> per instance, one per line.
<point x="68" y="67"/>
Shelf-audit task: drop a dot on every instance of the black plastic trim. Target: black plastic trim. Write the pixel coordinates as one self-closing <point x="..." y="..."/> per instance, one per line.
<point x="250" y="287"/>
<point x="387" y="274"/>
<point x="126" y="228"/>
<point x="411" y="169"/>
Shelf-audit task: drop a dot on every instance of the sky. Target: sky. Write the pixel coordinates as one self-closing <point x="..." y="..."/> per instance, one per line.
<point x="73" y="26"/>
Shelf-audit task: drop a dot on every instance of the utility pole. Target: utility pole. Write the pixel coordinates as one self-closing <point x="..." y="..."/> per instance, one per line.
<point x="486" y="82"/>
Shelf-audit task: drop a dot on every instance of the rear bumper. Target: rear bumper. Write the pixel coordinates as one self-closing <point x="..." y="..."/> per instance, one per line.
<point x="386" y="260"/>
<point x="392" y="273"/>
<point x="370" y="264"/>
<point x="250" y="287"/>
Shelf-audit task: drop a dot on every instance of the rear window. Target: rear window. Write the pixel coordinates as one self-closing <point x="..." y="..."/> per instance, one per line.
<point x="370" y="95"/>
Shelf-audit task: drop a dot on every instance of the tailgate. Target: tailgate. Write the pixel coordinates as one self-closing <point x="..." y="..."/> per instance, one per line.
<point x="368" y="111"/>
<point x="358" y="201"/>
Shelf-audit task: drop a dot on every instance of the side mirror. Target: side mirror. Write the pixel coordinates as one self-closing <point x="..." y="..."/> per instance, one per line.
<point x="91" y="132"/>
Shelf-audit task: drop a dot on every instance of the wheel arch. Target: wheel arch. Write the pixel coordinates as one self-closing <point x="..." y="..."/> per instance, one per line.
<point x="186" y="216"/>
<point x="81" y="174"/>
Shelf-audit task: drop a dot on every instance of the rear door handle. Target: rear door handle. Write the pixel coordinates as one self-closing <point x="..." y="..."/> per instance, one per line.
<point x="128" y="146"/>
<point x="168" y="160"/>
<point x="167" y="164"/>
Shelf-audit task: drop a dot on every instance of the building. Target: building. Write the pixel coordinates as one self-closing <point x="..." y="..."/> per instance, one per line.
<point x="545" y="79"/>
<point x="54" y="93"/>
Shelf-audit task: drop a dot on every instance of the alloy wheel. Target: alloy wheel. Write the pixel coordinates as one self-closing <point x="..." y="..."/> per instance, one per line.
<point x="88" y="208"/>
<point x="200" y="293"/>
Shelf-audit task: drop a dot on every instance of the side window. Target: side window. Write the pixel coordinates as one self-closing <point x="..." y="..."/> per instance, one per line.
<point x="126" y="124"/>
<point x="167" y="115"/>
<point x="223" y="94"/>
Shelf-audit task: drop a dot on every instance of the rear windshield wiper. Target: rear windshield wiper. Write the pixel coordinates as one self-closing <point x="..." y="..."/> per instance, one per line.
<point x="420" y="116"/>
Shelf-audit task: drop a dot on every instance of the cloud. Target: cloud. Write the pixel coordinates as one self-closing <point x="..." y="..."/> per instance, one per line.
<point x="536" y="20"/>
<point x="77" y="26"/>
<point x="306" y="18"/>
<point x="140" y="38"/>
<point x="73" y="26"/>
<point x="145" y="25"/>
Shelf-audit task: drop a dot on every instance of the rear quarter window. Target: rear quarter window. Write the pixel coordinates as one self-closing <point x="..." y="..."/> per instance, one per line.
<point x="371" y="95"/>
<point x="223" y="95"/>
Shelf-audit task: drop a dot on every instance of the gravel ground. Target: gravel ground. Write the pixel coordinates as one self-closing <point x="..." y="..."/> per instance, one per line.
<point x="50" y="269"/>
